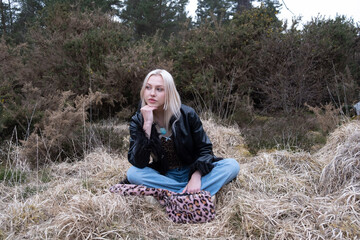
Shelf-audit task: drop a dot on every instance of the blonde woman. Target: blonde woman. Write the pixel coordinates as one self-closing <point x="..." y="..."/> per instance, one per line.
<point x="169" y="148"/>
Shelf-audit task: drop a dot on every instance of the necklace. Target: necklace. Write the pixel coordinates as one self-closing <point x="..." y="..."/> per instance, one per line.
<point x="163" y="131"/>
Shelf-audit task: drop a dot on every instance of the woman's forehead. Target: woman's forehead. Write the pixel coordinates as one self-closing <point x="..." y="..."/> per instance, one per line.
<point x="155" y="80"/>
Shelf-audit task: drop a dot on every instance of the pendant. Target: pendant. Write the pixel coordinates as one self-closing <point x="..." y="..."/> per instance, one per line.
<point x="163" y="131"/>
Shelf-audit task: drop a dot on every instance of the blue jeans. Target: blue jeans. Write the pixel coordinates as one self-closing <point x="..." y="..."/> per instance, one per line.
<point x="176" y="179"/>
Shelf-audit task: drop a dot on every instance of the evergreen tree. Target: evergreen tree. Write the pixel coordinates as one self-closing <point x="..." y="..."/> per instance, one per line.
<point x="105" y="6"/>
<point x="148" y="16"/>
<point x="222" y="10"/>
<point x="273" y="5"/>
<point x="207" y="9"/>
<point x="30" y="11"/>
<point x="6" y="17"/>
<point x="3" y="17"/>
<point x="242" y="5"/>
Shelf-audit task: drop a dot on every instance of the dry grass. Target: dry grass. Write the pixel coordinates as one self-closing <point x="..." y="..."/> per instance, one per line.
<point x="277" y="195"/>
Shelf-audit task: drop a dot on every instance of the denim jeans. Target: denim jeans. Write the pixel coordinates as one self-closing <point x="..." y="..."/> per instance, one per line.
<point x="176" y="179"/>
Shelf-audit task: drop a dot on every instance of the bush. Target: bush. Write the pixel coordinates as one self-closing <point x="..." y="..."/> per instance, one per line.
<point x="214" y="64"/>
<point x="60" y="136"/>
<point x="296" y="132"/>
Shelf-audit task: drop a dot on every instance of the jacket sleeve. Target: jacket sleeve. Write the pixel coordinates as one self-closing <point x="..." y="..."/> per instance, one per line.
<point x="202" y="146"/>
<point x="140" y="144"/>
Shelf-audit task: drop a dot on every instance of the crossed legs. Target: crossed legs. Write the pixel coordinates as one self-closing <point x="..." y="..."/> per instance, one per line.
<point x="176" y="179"/>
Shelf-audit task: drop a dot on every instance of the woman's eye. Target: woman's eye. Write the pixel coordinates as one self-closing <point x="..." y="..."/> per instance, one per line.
<point x="147" y="87"/>
<point x="160" y="89"/>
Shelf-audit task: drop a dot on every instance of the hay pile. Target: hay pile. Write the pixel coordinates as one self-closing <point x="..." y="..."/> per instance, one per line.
<point x="277" y="195"/>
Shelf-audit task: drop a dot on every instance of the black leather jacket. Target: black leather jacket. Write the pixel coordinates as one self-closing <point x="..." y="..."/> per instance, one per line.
<point x="192" y="145"/>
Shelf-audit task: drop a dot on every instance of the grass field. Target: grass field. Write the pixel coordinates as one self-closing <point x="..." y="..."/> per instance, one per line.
<point x="277" y="195"/>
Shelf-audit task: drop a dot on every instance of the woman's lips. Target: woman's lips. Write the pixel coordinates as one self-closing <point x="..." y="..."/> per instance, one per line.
<point x="152" y="100"/>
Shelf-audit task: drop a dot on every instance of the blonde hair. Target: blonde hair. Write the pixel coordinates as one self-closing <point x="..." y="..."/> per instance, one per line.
<point x="172" y="98"/>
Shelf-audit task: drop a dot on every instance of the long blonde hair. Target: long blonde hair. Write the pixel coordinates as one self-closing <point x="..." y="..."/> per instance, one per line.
<point x="172" y="98"/>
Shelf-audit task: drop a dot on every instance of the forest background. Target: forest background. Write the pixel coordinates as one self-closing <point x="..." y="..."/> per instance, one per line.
<point x="69" y="67"/>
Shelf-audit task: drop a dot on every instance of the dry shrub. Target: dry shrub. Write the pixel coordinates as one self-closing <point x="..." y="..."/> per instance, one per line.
<point x="59" y="134"/>
<point x="328" y="116"/>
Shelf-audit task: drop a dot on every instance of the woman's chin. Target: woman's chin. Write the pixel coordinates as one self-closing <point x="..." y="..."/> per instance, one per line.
<point x="152" y="105"/>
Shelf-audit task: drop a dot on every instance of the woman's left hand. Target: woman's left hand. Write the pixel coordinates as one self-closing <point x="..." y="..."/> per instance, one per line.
<point x="194" y="185"/>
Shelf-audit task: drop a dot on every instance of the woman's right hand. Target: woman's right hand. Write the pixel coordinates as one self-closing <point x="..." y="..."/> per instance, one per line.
<point x="148" y="115"/>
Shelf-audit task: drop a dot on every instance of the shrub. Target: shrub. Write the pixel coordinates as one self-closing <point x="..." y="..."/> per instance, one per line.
<point x="298" y="131"/>
<point x="215" y="65"/>
<point x="60" y="136"/>
<point x="328" y="117"/>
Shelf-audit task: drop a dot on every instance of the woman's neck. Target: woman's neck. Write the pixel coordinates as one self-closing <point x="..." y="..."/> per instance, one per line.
<point x="159" y="117"/>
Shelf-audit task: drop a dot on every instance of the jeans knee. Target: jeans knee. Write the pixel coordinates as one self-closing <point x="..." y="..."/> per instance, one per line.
<point x="133" y="175"/>
<point x="233" y="167"/>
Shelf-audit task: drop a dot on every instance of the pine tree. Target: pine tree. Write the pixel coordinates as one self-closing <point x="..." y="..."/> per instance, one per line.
<point x="3" y="8"/>
<point x="146" y="17"/>
<point x="243" y="5"/>
<point x="208" y="9"/>
<point x="222" y="10"/>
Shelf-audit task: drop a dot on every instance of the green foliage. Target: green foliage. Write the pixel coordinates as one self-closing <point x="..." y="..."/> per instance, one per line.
<point x="104" y="6"/>
<point x="334" y="46"/>
<point x="11" y="176"/>
<point x="45" y="175"/>
<point x="213" y="10"/>
<point x="147" y="17"/>
<point x="29" y="191"/>
<point x="215" y="66"/>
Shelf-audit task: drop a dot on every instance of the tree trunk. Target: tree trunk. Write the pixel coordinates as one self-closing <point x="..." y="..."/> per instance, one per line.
<point x="243" y="5"/>
<point x="10" y="16"/>
<point x="3" y="20"/>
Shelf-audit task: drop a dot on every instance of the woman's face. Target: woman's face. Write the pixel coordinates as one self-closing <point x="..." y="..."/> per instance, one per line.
<point x="154" y="92"/>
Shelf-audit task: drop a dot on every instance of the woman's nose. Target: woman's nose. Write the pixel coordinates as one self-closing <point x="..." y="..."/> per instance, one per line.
<point x="152" y="92"/>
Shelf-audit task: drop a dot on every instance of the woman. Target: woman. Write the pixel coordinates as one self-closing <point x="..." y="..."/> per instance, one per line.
<point x="168" y="146"/>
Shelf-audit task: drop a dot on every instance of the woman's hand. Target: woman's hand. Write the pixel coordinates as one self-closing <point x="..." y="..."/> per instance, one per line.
<point x="194" y="185"/>
<point x="148" y="115"/>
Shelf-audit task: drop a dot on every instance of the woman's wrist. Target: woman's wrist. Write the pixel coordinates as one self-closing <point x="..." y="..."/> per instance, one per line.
<point x="147" y="128"/>
<point x="196" y="175"/>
